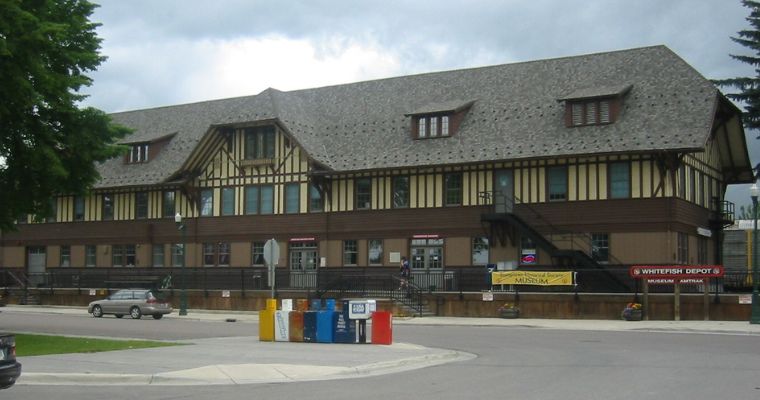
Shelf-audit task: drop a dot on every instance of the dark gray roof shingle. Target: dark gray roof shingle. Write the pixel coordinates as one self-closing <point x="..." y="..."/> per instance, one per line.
<point x="517" y="115"/>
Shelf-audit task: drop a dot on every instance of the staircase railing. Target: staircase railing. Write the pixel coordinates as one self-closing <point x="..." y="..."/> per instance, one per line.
<point x="575" y="240"/>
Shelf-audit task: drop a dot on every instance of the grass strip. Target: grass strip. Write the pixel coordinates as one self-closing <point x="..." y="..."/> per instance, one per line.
<point x="39" y="345"/>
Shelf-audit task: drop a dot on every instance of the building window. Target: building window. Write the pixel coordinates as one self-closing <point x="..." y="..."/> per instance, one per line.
<point x="292" y="198"/>
<point x="316" y="203"/>
<point x="259" y="199"/>
<point x="433" y="126"/>
<point x="682" y="182"/>
<point x="400" y="191"/>
<point x="178" y="254"/>
<point x="453" y="188"/>
<point x="557" y="182"/>
<point x="350" y="252"/>
<point x="138" y="153"/>
<point x="53" y="217"/>
<point x="257" y="254"/>
<point x="90" y="255"/>
<point x="123" y="255"/>
<point x="375" y="250"/>
<point x="207" y="202"/>
<point x="216" y="254"/>
<point x="158" y="255"/>
<point x="228" y="201"/>
<point x="620" y="180"/>
<point x="363" y="193"/>
<point x="702" y="250"/>
<point x="107" y="207"/>
<point x="79" y="208"/>
<point x="168" y="206"/>
<point x="595" y="112"/>
<point x="65" y="256"/>
<point x="480" y="251"/>
<point x="600" y="247"/>
<point x="683" y="248"/>
<point x="141" y="205"/>
<point x="259" y="142"/>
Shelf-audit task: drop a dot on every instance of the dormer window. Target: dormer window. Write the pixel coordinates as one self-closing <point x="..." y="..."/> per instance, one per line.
<point x="594" y="106"/>
<point x="438" y="120"/>
<point x="138" y="153"/>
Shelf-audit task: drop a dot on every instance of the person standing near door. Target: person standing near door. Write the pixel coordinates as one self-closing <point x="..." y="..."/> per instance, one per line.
<point x="404" y="272"/>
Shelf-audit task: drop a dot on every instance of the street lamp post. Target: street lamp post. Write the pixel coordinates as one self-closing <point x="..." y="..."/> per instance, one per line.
<point x="182" y="293"/>
<point x="754" y="318"/>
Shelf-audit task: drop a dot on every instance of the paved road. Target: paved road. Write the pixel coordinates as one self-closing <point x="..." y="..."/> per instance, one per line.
<point x="533" y="359"/>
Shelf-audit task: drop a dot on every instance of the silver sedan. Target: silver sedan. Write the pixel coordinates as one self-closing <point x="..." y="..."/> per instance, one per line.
<point x="135" y="302"/>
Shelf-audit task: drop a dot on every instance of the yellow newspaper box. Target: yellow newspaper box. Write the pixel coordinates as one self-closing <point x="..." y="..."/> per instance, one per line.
<point x="271" y="304"/>
<point x="266" y="325"/>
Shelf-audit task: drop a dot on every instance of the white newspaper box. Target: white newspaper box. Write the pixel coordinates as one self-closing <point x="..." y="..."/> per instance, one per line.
<point x="281" y="326"/>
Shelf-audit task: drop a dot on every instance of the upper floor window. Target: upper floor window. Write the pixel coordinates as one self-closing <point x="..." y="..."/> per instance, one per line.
<point x="107" y="207"/>
<point x="207" y="202"/>
<point x="168" y="206"/>
<point x="557" y="183"/>
<point x="363" y="187"/>
<point x="432" y="126"/>
<point x="292" y="198"/>
<point x="259" y="199"/>
<point x="228" y="201"/>
<point x="590" y="112"/>
<point x="79" y="208"/>
<point x="141" y="205"/>
<point x="620" y="180"/>
<point x="138" y="153"/>
<point x="400" y="191"/>
<point x="316" y="202"/>
<point x="259" y="142"/>
<point x="453" y="187"/>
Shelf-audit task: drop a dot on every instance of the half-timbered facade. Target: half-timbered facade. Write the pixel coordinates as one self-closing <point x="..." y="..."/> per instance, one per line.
<point x="620" y="157"/>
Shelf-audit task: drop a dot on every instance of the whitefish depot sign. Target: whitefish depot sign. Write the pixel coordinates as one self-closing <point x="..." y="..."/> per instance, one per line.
<point x="675" y="273"/>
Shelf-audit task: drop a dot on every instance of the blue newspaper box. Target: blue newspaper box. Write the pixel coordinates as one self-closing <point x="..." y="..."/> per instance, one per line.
<point x="325" y="326"/>
<point x="330" y="305"/>
<point x="310" y="326"/>
<point x="345" y="329"/>
<point x="316" y="304"/>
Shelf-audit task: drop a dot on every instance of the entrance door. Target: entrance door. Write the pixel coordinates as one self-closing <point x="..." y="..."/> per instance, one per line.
<point x="35" y="261"/>
<point x="303" y="264"/>
<point x="427" y="262"/>
<point x="504" y="199"/>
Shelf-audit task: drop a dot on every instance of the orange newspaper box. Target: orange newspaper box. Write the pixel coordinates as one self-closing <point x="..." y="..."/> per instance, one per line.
<point x="296" y="326"/>
<point x="382" y="327"/>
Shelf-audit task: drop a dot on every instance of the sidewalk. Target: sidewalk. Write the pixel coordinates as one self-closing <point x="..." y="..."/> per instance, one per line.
<point x="240" y="360"/>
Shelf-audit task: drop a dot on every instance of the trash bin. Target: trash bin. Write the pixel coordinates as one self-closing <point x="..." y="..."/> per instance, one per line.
<point x="281" y="326"/>
<point x="310" y="326"/>
<point x="325" y="323"/>
<point x="266" y="325"/>
<point x="296" y="326"/>
<point x="382" y="327"/>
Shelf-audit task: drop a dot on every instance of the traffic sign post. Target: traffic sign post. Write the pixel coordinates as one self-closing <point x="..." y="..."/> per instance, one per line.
<point x="272" y="257"/>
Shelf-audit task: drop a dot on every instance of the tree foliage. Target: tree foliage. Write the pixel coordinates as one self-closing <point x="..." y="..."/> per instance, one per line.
<point x="48" y="145"/>
<point x="749" y="87"/>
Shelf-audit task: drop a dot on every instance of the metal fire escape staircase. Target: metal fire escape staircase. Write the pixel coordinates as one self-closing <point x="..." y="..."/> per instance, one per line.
<point x="506" y="222"/>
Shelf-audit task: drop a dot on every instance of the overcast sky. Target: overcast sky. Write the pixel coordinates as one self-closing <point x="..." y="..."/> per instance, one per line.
<point x="180" y="51"/>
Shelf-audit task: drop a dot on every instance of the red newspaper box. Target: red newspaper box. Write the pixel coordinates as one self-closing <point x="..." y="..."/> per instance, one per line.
<point x="382" y="327"/>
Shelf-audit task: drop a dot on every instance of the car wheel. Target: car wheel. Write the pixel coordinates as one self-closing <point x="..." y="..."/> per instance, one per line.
<point x="135" y="312"/>
<point x="158" y="316"/>
<point x="97" y="311"/>
<point x="118" y="315"/>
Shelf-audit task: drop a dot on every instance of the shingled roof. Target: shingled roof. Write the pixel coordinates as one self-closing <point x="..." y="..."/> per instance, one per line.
<point x="516" y="113"/>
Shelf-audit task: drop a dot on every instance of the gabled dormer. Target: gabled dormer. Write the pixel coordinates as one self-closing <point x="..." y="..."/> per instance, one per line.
<point x="438" y="120"/>
<point x="594" y="106"/>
